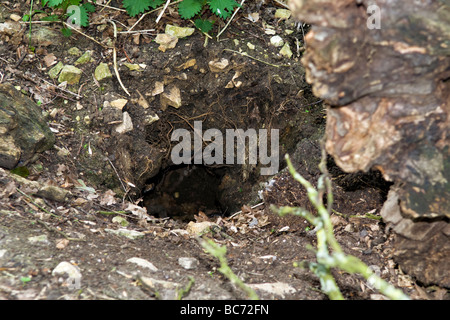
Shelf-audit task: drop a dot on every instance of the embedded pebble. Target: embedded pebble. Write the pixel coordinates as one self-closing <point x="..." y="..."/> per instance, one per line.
<point x="143" y="263"/>
<point x="188" y="263"/>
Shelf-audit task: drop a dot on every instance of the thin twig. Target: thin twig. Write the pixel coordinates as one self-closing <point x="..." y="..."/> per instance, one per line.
<point x="245" y="54"/>
<point x="37" y="205"/>
<point x="132" y="27"/>
<point x="82" y="33"/>
<point x="123" y="186"/>
<point x="234" y="13"/>
<point x="252" y="207"/>
<point x="162" y="11"/>
<point x="116" y="70"/>
<point x="59" y="232"/>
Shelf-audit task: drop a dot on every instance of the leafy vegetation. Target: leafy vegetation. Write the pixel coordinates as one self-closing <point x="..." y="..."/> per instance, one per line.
<point x="78" y="10"/>
<point x="329" y="253"/>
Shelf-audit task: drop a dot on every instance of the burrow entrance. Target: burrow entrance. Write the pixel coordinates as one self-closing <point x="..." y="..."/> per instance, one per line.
<point x="181" y="191"/>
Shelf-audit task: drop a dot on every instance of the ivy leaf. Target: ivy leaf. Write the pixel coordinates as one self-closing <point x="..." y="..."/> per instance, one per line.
<point x="189" y="8"/>
<point x="222" y="8"/>
<point x="204" y="25"/>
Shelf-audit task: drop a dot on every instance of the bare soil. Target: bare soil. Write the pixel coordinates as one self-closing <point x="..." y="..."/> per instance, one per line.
<point x="261" y="246"/>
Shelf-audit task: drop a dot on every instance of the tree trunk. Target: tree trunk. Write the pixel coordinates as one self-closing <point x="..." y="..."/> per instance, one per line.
<point x="383" y="67"/>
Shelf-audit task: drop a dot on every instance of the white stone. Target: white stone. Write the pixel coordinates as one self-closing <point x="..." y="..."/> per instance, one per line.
<point x="276" y="41"/>
<point x="126" y="125"/>
<point x="143" y="263"/>
<point x="188" y="263"/>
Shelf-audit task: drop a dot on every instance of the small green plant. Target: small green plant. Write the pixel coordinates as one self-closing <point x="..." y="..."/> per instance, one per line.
<point x="220" y="252"/>
<point x="329" y="254"/>
<point x="25" y="280"/>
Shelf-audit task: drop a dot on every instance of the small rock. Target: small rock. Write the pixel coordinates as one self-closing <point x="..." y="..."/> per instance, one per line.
<point x="286" y="50"/>
<point x="171" y="97"/>
<point x="278" y="288"/>
<point x="167" y="290"/>
<point x="119" y="103"/>
<point x="73" y="273"/>
<point x="38" y="239"/>
<point x="133" y="67"/>
<point x="150" y="118"/>
<point x="251" y="46"/>
<point x="143" y="263"/>
<point x="85" y="58"/>
<point x="130" y="234"/>
<point x="337" y="221"/>
<point x="102" y="72"/>
<point x="2" y="253"/>
<point x="188" y="263"/>
<point x="276" y="41"/>
<point x="53" y="72"/>
<point x="126" y="125"/>
<point x="70" y="73"/>
<point x="166" y="41"/>
<point x="159" y="88"/>
<point x="74" y="51"/>
<point x="15" y="17"/>
<point x="218" y="66"/>
<point x="198" y="228"/>
<point x="53" y="193"/>
<point x="120" y="220"/>
<point x="10" y="28"/>
<point x="178" y="32"/>
<point x="283" y="14"/>
<point x="349" y="228"/>
<point x="43" y="36"/>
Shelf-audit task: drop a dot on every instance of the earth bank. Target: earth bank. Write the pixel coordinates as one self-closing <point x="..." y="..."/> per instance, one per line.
<point x="114" y="169"/>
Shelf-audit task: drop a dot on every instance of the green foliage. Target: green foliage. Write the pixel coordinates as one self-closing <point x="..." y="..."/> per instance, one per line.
<point x="204" y="25"/>
<point x="21" y="171"/>
<point x="189" y="8"/>
<point x="329" y="253"/>
<point x="222" y="8"/>
<point x="134" y="7"/>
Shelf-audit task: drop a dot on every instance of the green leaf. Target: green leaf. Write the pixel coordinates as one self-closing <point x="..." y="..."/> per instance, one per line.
<point x="21" y="171"/>
<point x="72" y="2"/>
<point x="204" y="25"/>
<point x="66" y="32"/>
<point x="53" y="17"/>
<point x="88" y="6"/>
<point x="189" y="8"/>
<point x="54" y="3"/>
<point x="156" y="3"/>
<point x="223" y="8"/>
<point x="134" y="7"/>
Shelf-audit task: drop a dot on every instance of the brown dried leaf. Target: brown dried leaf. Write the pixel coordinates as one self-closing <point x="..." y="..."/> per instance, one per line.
<point x="61" y="243"/>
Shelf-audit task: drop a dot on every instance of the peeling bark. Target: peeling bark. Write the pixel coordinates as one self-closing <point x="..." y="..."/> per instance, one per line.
<point x="388" y="91"/>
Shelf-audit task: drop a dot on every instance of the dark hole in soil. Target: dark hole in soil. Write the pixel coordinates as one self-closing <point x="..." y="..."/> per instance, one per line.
<point x="181" y="191"/>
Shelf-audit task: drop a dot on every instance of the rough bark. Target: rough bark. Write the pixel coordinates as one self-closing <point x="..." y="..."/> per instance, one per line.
<point x="389" y="96"/>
